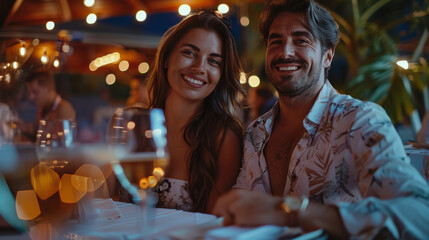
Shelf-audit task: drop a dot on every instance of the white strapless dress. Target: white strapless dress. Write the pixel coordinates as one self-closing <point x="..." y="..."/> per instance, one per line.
<point x="173" y="193"/>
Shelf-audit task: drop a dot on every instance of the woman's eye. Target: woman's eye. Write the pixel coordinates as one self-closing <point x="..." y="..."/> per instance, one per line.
<point x="214" y="62"/>
<point x="189" y="53"/>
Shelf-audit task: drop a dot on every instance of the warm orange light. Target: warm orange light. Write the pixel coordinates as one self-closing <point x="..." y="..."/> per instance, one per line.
<point x="143" y="183"/>
<point x="143" y="67"/>
<point x="158" y="172"/>
<point x="45" y="181"/>
<point x="72" y="188"/>
<point x="27" y="206"/>
<point x="184" y="9"/>
<point x="152" y="181"/>
<point x="94" y="174"/>
<point x="141" y="15"/>
<point x="131" y="125"/>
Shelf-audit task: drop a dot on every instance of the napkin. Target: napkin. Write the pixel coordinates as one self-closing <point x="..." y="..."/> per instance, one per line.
<point x="263" y="232"/>
<point x="98" y="209"/>
<point x="105" y="208"/>
<point x="241" y="233"/>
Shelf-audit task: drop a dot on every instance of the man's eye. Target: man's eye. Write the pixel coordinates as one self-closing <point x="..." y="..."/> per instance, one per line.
<point x="302" y="41"/>
<point x="275" y="42"/>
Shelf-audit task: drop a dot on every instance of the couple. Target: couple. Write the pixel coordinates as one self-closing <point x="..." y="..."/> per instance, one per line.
<point x="318" y="159"/>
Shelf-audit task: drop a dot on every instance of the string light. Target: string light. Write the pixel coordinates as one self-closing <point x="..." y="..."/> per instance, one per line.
<point x="184" y="9"/>
<point x="91" y="18"/>
<point x="124" y="65"/>
<point x="223" y="8"/>
<point x="141" y="16"/>
<point x="65" y="47"/>
<point x="22" y="50"/>
<point x="244" y="21"/>
<point x="50" y="25"/>
<point x="15" y="65"/>
<point x="243" y="78"/>
<point x="110" y="79"/>
<point x="143" y="67"/>
<point x="254" y="81"/>
<point x="89" y="3"/>
<point x="56" y="62"/>
<point x="44" y="59"/>
<point x="7" y="78"/>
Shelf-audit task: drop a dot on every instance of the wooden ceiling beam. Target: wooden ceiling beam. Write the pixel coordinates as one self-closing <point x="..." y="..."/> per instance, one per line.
<point x="13" y="11"/>
<point x="65" y="11"/>
<point x="137" y="5"/>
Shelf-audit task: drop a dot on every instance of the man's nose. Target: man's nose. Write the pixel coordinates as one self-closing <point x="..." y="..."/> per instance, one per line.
<point x="288" y="50"/>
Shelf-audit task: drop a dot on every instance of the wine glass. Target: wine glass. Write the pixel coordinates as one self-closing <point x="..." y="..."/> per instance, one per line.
<point x="57" y="188"/>
<point x="139" y="137"/>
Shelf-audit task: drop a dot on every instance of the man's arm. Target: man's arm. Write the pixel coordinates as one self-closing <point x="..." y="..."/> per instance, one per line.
<point x="245" y="208"/>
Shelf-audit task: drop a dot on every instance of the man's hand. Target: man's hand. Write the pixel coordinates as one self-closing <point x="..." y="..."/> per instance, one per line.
<point x="245" y="208"/>
<point x="240" y="207"/>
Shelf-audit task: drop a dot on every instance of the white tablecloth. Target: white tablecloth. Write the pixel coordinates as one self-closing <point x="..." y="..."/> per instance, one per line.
<point x="172" y="224"/>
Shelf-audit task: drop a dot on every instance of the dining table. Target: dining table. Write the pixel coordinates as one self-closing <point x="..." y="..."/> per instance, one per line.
<point x="121" y="223"/>
<point x="120" y="220"/>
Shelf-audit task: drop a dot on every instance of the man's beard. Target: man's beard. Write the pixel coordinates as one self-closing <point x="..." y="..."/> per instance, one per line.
<point x="286" y="87"/>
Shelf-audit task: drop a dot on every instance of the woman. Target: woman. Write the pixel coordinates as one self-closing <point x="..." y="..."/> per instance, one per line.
<point x="195" y="81"/>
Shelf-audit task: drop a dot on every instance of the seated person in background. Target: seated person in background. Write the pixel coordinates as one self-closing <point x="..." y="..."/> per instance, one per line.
<point x="139" y="96"/>
<point x="195" y="81"/>
<point x="319" y="159"/>
<point x="41" y="90"/>
<point x="260" y="100"/>
<point x="6" y="116"/>
<point x="423" y="134"/>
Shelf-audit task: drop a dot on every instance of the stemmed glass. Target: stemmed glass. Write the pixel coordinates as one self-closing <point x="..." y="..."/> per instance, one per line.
<point x="56" y="190"/>
<point x="138" y="136"/>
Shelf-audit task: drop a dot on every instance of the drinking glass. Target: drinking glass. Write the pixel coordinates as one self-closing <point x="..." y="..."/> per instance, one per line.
<point x="57" y="188"/>
<point x="139" y="137"/>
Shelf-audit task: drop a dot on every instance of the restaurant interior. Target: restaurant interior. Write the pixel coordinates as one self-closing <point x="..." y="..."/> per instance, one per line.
<point x="58" y="35"/>
<point x="95" y="48"/>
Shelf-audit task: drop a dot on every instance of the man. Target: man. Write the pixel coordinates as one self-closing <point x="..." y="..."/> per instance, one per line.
<point x="41" y="90"/>
<point x="328" y="160"/>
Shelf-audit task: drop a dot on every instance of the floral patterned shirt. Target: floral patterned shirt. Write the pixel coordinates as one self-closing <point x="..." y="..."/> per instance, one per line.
<point x="350" y="155"/>
<point x="173" y="193"/>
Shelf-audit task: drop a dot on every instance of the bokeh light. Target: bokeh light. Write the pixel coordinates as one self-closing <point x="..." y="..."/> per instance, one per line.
<point x="184" y="9"/>
<point x="110" y="79"/>
<point x="223" y="8"/>
<point x="254" y="81"/>
<point x="91" y="18"/>
<point x="141" y="16"/>
<point x="143" y="67"/>
<point x="50" y="25"/>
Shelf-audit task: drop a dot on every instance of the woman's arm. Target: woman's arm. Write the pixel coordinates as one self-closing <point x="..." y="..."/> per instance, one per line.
<point x="229" y="160"/>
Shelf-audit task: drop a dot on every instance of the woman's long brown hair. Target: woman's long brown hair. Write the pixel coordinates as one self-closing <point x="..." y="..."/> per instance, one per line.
<point x="219" y="111"/>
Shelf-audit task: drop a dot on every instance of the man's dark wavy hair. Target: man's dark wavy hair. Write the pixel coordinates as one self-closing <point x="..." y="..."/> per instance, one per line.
<point x="322" y="24"/>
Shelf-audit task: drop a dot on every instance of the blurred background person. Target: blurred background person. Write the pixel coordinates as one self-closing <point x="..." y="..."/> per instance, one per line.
<point x="6" y="116"/>
<point x="41" y="90"/>
<point x="423" y="134"/>
<point x="139" y="96"/>
<point x="259" y="100"/>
